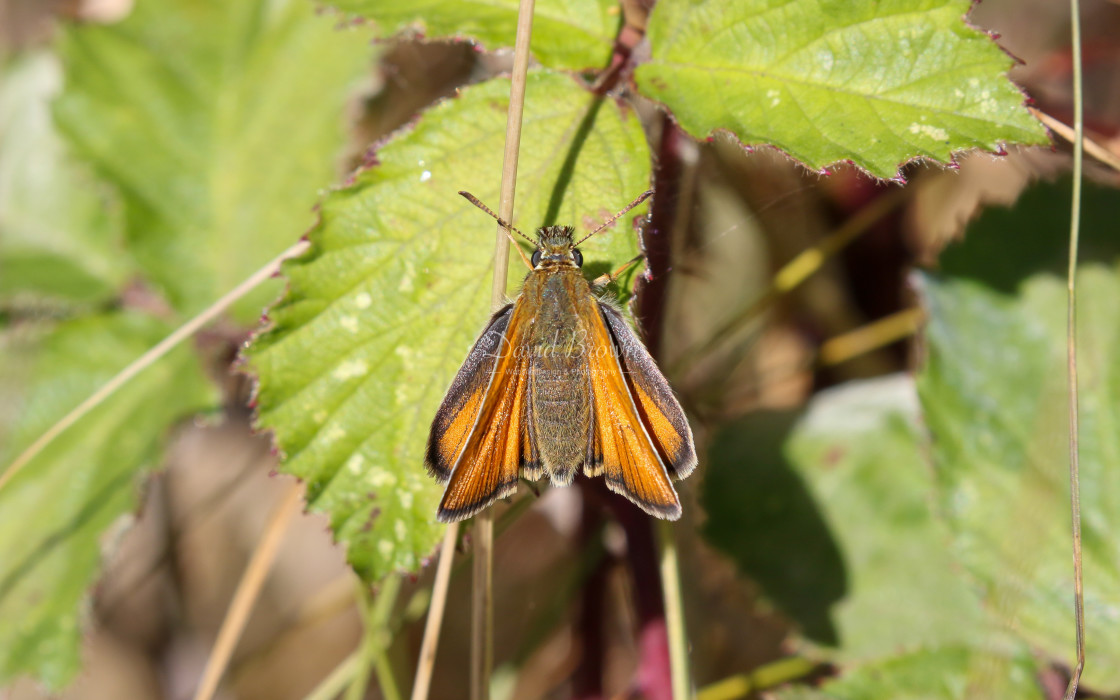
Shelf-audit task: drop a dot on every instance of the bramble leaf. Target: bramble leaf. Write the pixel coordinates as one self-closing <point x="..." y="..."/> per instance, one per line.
<point x="875" y="82"/>
<point x="217" y="121"/>
<point x="384" y="308"/>
<point x="572" y="34"/>
<point x="57" y="514"/>
<point x="942" y="674"/>
<point x="994" y="395"/>
<point x="61" y="241"/>
<point x="828" y="512"/>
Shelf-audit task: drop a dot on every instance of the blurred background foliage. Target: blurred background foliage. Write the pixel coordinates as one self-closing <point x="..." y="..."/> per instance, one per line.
<point x="881" y="507"/>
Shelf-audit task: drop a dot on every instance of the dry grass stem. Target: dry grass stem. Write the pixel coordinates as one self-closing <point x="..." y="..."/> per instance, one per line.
<point x="247" y="591"/>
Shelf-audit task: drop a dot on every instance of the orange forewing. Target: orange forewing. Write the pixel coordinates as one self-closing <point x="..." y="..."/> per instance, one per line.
<point x="497" y="439"/>
<point x="621" y="447"/>
<point x="457" y="414"/>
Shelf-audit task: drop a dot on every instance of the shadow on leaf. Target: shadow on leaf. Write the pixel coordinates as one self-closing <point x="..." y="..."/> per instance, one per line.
<point x="761" y="514"/>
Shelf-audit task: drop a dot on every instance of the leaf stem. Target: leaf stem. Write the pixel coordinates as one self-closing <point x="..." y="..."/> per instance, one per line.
<point x="247" y="591"/>
<point x="148" y="358"/>
<point x="385" y="679"/>
<point x="482" y="587"/>
<point x="333" y="684"/>
<point x="1069" y="134"/>
<point x="674" y="612"/>
<point x="375" y="641"/>
<point x="512" y="149"/>
<point x="1071" y="350"/>
<point x="380" y="636"/>
<point x="792" y="274"/>
<point x="427" y="661"/>
<point x="762" y="678"/>
<point x="482" y="613"/>
<point x="874" y="335"/>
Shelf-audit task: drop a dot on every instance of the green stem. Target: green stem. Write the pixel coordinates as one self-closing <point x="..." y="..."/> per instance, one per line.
<point x="674" y="612"/>
<point x="385" y="680"/>
<point x="333" y="684"/>
<point x="762" y="678"/>
<point x="375" y="641"/>
<point x="1071" y="351"/>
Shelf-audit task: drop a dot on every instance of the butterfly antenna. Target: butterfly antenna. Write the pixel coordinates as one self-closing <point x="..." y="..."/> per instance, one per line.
<point x="637" y="200"/>
<point x="508" y="227"/>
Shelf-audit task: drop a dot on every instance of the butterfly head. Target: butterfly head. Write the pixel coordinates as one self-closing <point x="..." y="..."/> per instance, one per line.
<point x="555" y="248"/>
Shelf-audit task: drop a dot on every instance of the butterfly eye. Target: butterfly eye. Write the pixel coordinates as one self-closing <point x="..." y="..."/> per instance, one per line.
<point x="536" y="259"/>
<point x="577" y="256"/>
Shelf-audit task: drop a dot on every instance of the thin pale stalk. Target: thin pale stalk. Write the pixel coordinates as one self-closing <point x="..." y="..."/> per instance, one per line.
<point x="333" y="684"/>
<point x="792" y="275"/>
<point x="482" y="606"/>
<point x="1071" y="352"/>
<point x="482" y="587"/>
<point x="247" y="591"/>
<point x="1069" y="134"/>
<point x="424" y="666"/>
<point x="873" y="336"/>
<point x="148" y="358"/>
<point x="512" y="149"/>
<point x="674" y="612"/>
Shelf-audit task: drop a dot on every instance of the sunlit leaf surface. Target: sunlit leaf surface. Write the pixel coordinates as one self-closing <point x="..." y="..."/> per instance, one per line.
<point x="571" y="34"/>
<point x="218" y="122"/>
<point x="943" y="674"/>
<point x="831" y="513"/>
<point x="994" y="395"/>
<point x="874" y="82"/>
<point x="60" y="236"/>
<point x="382" y="311"/>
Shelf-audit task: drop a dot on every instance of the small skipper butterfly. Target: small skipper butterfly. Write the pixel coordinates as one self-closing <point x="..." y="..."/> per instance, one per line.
<point x="557" y="384"/>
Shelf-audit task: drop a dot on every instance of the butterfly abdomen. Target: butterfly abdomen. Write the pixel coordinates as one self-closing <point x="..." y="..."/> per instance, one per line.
<point x="559" y="388"/>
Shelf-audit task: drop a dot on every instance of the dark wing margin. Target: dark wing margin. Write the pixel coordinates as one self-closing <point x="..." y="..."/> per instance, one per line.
<point x="456" y="416"/>
<point x="657" y="406"/>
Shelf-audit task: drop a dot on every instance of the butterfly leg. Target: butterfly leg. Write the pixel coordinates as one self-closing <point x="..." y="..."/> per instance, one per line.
<point x="603" y="280"/>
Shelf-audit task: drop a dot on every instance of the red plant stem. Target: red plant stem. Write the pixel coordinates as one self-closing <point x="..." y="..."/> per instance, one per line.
<point x="656" y="235"/>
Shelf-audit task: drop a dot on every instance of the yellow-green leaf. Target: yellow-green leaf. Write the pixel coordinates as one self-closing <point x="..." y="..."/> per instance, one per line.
<point x="876" y="82"/>
<point x="571" y="34"/>
<point x="218" y="122"/>
<point x="55" y="512"/>
<point x="384" y="308"/>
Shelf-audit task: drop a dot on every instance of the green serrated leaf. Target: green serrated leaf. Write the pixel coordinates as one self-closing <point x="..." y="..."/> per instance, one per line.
<point x="875" y="82"/>
<point x="572" y="34"/>
<point x="57" y="513"/>
<point x="994" y="395"/>
<point x="829" y="512"/>
<point x="382" y="311"/>
<point x="942" y="674"/>
<point x="217" y="121"/>
<point x="60" y="236"/>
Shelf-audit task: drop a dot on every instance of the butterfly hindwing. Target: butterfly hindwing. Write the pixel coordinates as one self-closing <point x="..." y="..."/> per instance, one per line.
<point x="620" y="446"/>
<point x="657" y="406"/>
